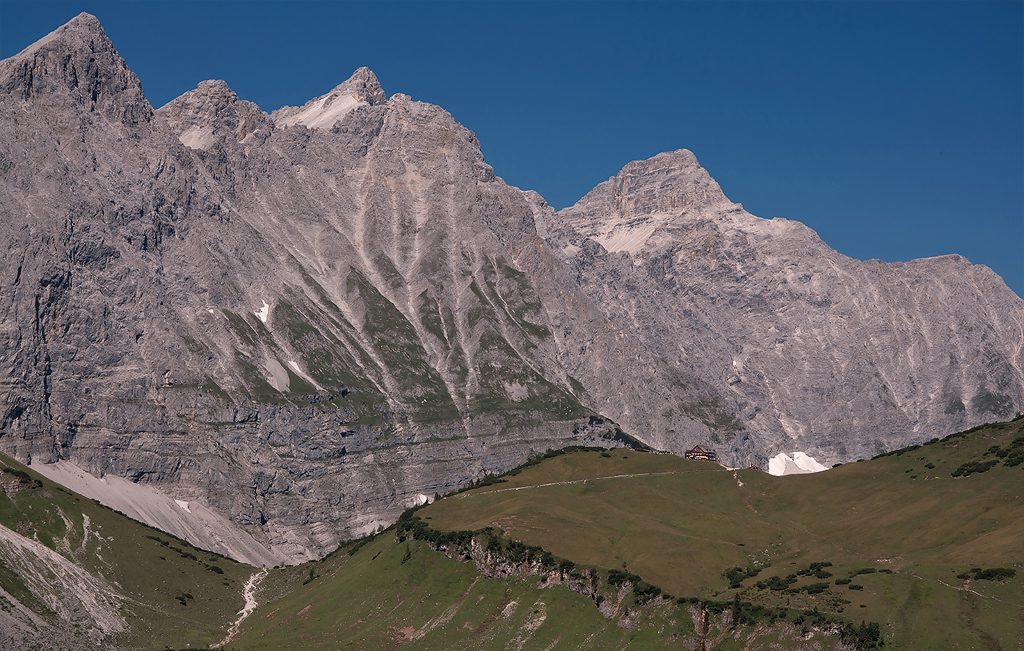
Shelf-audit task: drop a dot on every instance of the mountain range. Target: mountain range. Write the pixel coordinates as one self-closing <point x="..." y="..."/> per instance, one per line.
<point x="269" y="333"/>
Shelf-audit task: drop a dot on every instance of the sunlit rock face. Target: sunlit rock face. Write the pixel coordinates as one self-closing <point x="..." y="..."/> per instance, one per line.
<point x="796" y="347"/>
<point x="308" y="320"/>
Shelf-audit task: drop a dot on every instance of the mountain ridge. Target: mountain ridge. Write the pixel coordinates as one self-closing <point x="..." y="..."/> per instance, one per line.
<point x="308" y="329"/>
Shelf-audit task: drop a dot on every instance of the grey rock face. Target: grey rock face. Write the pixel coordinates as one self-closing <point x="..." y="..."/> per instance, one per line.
<point x="308" y="320"/>
<point x="303" y="327"/>
<point x="804" y="348"/>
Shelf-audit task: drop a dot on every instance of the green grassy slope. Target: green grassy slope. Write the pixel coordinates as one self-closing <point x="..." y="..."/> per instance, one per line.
<point x="390" y="595"/>
<point x="679" y="524"/>
<point x="896" y="540"/>
<point x="174" y="593"/>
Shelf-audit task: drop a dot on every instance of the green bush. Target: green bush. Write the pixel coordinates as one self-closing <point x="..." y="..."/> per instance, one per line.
<point x="863" y="637"/>
<point x="736" y="575"/>
<point x="971" y="467"/>
<point x="776" y="583"/>
<point x="995" y="574"/>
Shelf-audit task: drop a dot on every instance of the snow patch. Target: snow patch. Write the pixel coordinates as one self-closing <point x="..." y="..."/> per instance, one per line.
<point x="420" y="500"/>
<point x="798" y="464"/>
<point x="183" y="504"/>
<point x="264" y="312"/>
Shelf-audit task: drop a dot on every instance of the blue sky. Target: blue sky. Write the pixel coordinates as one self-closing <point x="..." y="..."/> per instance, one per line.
<point x="894" y="129"/>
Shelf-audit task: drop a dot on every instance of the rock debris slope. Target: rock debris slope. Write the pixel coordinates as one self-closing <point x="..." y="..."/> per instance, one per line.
<point x="308" y="320"/>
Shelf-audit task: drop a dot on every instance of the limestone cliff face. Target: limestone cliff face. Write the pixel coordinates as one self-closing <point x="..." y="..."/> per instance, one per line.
<point x="309" y="319"/>
<point x="810" y="350"/>
<point x="304" y="321"/>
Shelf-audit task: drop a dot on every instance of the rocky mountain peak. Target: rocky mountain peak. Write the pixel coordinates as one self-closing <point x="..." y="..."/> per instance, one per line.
<point x="310" y="326"/>
<point x="202" y="116"/>
<point x="79" y="62"/>
<point x="624" y="211"/>
<point x="362" y="88"/>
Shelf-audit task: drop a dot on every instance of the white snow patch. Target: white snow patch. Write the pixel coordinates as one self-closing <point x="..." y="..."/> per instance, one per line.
<point x="798" y="464"/>
<point x="199" y="525"/>
<point x="263" y="313"/>
<point x="420" y="500"/>
<point x="183" y="504"/>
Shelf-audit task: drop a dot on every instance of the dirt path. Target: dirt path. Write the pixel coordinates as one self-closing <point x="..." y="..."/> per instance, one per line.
<point x="249" y="592"/>
<point x="583" y="481"/>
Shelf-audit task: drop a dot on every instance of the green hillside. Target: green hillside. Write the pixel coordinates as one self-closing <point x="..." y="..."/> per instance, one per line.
<point x="922" y="548"/>
<point x="165" y="588"/>
<point x="897" y="540"/>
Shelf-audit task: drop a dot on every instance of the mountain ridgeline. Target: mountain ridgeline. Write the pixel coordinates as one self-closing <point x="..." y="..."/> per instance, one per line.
<point x="308" y="320"/>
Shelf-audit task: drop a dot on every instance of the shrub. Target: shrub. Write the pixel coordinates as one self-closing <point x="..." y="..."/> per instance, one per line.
<point x="1014" y="458"/>
<point x="736" y="575"/>
<point x="995" y="574"/>
<point x="617" y="578"/>
<point x="863" y="637"/>
<point x="998" y="451"/>
<point x="971" y="467"/>
<point x="776" y="583"/>
<point x="645" y="591"/>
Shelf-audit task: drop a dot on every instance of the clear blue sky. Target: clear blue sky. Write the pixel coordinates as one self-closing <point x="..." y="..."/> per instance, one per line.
<point x="894" y="129"/>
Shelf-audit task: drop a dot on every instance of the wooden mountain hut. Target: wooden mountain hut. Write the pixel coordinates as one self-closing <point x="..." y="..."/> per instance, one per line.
<point x="702" y="454"/>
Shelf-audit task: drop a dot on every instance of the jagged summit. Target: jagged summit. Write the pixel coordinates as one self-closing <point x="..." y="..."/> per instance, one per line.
<point x="306" y="330"/>
<point x="77" y="59"/>
<point x="211" y="112"/>
<point x="624" y="211"/>
<point x="83" y="25"/>
<point x="322" y="112"/>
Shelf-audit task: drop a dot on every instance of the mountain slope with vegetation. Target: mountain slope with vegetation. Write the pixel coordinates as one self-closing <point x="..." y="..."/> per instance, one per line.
<point x="77" y="575"/>
<point x="613" y="549"/>
<point x="304" y="321"/>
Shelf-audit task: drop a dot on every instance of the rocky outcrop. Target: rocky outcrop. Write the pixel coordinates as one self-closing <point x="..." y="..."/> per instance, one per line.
<point x="806" y="349"/>
<point x="302" y="324"/>
<point x="307" y="319"/>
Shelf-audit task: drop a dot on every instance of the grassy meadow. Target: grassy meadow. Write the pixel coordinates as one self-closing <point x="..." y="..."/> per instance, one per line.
<point x="901" y="518"/>
<point x="616" y="549"/>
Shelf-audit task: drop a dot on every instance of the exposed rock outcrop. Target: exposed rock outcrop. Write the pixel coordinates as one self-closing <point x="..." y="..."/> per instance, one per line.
<point x="305" y="320"/>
